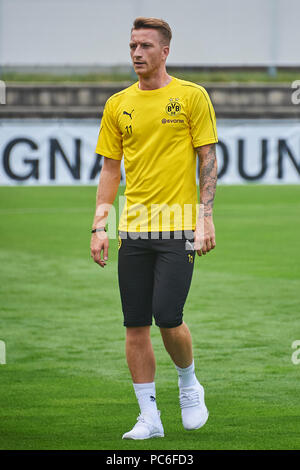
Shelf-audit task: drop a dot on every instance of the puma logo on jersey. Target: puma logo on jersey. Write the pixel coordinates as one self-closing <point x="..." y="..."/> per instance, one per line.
<point x="128" y="114"/>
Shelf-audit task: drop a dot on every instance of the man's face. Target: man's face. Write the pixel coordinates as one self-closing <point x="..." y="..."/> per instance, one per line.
<point x="147" y="51"/>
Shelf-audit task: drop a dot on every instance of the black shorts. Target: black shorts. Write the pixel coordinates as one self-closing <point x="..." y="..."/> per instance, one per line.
<point x="154" y="277"/>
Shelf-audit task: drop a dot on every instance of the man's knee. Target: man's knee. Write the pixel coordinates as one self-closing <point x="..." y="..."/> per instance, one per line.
<point x="137" y="334"/>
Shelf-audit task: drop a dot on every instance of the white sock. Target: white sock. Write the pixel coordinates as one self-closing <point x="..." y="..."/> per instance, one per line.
<point x="146" y="396"/>
<point x="187" y="376"/>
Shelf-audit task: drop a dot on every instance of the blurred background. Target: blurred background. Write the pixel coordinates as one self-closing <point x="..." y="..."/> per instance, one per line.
<point x="64" y="379"/>
<point x="95" y="33"/>
<point x="61" y="60"/>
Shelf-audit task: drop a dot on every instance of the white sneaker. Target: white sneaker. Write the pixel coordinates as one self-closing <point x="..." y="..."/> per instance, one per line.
<point x="194" y="413"/>
<point x="146" y="427"/>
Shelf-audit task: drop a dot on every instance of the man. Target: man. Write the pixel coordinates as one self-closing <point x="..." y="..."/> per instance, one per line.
<point x="159" y="124"/>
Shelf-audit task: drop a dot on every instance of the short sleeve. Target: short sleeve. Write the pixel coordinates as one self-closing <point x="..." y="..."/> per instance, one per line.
<point x="109" y="142"/>
<point x="202" y="119"/>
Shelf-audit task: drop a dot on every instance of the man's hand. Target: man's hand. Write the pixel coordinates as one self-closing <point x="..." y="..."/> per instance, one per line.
<point x="204" y="236"/>
<point x="99" y="248"/>
<point x="107" y="189"/>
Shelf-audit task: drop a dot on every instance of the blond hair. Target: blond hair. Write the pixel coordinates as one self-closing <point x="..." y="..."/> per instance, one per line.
<point x="154" y="23"/>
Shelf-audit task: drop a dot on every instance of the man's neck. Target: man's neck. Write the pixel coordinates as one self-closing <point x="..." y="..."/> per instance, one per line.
<point x="154" y="82"/>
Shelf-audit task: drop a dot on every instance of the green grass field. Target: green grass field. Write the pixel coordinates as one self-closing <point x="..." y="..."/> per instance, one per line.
<point x="66" y="383"/>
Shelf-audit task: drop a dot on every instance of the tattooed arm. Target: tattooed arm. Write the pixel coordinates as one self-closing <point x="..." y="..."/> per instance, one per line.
<point x="205" y="230"/>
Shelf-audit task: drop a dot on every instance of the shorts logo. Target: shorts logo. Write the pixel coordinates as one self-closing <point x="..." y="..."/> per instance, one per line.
<point x="119" y="242"/>
<point x="190" y="258"/>
<point x="174" y="107"/>
<point x="189" y="245"/>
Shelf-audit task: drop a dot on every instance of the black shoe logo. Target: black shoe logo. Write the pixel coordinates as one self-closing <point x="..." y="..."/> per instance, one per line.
<point x="128" y="114"/>
<point x="152" y="398"/>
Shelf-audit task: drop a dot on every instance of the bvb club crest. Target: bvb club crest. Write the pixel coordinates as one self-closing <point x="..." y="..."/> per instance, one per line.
<point x="173" y="107"/>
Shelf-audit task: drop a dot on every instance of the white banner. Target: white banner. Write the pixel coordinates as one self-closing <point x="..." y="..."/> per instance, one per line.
<point x="61" y="152"/>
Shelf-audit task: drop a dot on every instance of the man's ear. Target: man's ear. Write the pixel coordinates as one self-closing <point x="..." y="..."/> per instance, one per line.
<point x="165" y="52"/>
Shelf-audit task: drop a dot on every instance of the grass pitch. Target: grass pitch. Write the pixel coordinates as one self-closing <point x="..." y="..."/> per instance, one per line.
<point x="66" y="383"/>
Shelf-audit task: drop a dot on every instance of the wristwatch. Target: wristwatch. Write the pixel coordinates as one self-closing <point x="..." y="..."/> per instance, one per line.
<point x="101" y="229"/>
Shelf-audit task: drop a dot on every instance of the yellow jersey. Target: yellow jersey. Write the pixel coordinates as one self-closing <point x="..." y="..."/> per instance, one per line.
<point x="157" y="132"/>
